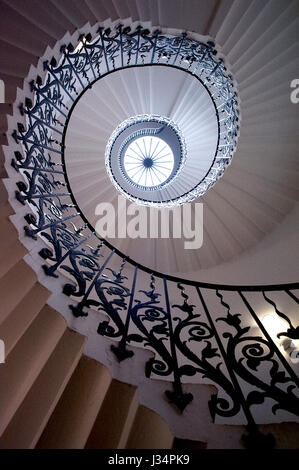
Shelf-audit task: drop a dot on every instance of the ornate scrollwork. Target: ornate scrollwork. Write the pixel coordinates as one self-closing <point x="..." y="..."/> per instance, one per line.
<point x="113" y="299"/>
<point x="246" y="355"/>
<point x="184" y="344"/>
<point x="151" y="320"/>
<point x="195" y="329"/>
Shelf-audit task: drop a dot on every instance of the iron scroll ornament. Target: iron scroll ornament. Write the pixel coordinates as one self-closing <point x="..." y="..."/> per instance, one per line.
<point x="74" y="248"/>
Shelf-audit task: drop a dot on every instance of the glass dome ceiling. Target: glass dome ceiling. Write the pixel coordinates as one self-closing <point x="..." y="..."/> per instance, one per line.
<point x="148" y="161"/>
<point x="182" y="78"/>
<point x="144" y="156"/>
<point x="195" y="119"/>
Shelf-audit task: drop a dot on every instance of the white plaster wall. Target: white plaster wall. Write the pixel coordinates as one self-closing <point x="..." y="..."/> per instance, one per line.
<point x="275" y="260"/>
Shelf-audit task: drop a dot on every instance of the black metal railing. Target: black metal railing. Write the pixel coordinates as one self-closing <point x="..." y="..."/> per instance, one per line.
<point x="192" y="328"/>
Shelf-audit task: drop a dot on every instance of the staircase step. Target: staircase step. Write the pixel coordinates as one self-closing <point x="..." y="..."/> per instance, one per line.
<point x="20" y="32"/>
<point x="77" y="409"/>
<point x="149" y="431"/>
<point x="19" y="320"/>
<point x="11" y="82"/>
<point x="42" y="17"/>
<point x="30" y="419"/>
<point x="3" y="192"/>
<point x="15" y="61"/>
<point x="286" y="434"/>
<point x="115" y="416"/>
<point x="5" y="109"/>
<point x="26" y="361"/>
<point x="5" y="211"/>
<point x="16" y="283"/>
<point x="3" y="172"/>
<point x="3" y="138"/>
<point x="71" y="11"/>
<point x="99" y="11"/>
<point x="111" y="10"/>
<point x="12" y="255"/>
<point x="10" y="233"/>
<point x="11" y="249"/>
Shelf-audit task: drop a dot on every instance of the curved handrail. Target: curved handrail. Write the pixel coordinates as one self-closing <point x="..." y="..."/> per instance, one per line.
<point x="170" y="335"/>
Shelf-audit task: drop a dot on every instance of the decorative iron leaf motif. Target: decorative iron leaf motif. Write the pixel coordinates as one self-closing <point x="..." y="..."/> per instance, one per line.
<point x="188" y="370"/>
<point x="225" y="407"/>
<point x="112" y="299"/>
<point x="255" y="398"/>
<point x="180" y="400"/>
<point x="221" y="359"/>
<point x="209" y="352"/>
<point x="121" y="353"/>
<point x="256" y="351"/>
<point x="204" y="362"/>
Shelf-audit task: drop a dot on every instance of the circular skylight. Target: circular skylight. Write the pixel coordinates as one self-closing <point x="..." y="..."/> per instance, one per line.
<point x="144" y="156"/>
<point x="148" y="161"/>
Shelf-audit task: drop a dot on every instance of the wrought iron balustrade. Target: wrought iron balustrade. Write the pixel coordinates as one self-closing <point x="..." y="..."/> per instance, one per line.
<point x="188" y="338"/>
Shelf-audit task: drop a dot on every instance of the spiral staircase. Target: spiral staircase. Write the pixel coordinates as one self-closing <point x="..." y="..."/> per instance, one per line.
<point x="85" y="370"/>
